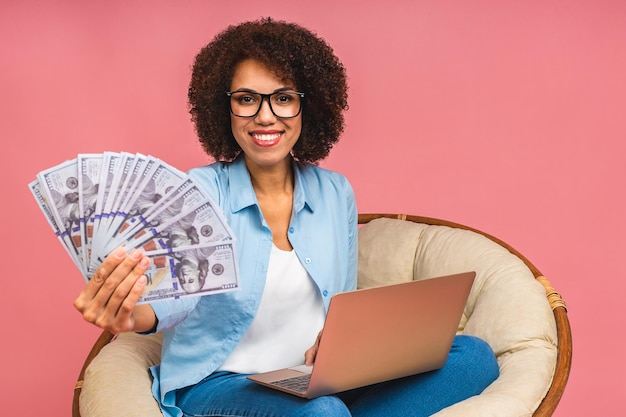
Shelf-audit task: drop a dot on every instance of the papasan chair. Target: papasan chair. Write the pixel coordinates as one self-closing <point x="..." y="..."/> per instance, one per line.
<point x="511" y="305"/>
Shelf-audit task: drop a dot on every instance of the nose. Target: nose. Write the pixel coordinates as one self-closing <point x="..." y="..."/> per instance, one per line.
<point x="265" y="114"/>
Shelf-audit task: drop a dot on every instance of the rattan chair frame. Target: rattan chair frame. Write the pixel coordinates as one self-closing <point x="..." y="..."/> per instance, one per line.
<point x="564" y="335"/>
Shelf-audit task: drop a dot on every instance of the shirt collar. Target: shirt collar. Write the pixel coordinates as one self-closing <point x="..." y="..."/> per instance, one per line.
<point x="302" y="195"/>
<point x="243" y="196"/>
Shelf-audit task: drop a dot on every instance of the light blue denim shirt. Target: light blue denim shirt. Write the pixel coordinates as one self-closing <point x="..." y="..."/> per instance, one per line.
<point x="200" y="332"/>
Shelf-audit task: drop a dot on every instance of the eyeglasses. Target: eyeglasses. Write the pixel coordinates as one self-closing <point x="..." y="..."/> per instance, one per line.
<point x="283" y="104"/>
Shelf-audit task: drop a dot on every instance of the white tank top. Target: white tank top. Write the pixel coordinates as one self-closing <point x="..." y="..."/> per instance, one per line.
<point x="290" y="316"/>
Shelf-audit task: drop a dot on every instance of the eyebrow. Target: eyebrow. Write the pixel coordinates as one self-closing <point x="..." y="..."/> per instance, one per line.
<point x="249" y="90"/>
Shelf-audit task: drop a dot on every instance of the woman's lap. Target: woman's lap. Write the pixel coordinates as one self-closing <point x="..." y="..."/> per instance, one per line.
<point x="227" y="394"/>
<point x="470" y="368"/>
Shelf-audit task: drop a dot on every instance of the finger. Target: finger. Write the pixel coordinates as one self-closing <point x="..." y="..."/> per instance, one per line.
<point x="126" y="313"/>
<point x="102" y="273"/>
<point x="118" y="313"/>
<point x="120" y="284"/>
<point x="124" y="299"/>
<point x="309" y="355"/>
<point x="108" y="265"/>
<point x="123" y="274"/>
<point x="124" y="319"/>
<point x="98" y="307"/>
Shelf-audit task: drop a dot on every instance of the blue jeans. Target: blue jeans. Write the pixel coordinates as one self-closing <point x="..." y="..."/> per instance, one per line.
<point x="470" y="368"/>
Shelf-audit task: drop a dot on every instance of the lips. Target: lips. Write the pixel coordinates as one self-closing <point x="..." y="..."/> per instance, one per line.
<point x="266" y="138"/>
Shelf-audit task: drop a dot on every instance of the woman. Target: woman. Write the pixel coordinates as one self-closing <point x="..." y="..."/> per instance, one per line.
<point x="267" y="99"/>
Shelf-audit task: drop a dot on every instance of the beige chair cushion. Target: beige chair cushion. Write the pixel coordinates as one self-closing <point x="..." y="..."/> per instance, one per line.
<point x="118" y="382"/>
<point x="507" y="308"/>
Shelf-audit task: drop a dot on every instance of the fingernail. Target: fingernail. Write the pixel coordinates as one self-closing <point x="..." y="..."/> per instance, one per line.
<point x="144" y="262"/>
<point x="120" y="252"/>
<point x="135" y="254"/>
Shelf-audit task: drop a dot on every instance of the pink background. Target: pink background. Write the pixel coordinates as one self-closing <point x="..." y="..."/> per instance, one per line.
<point x="503" y="115"/>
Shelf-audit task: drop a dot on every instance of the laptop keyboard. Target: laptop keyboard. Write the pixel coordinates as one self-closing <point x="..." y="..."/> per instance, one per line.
<point x="298" y="383"/>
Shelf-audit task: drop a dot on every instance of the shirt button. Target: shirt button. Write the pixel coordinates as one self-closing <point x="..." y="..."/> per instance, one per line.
<point x="325" y="293"/>
<point x="307" y="260"/>
<point x="291" y="229"/>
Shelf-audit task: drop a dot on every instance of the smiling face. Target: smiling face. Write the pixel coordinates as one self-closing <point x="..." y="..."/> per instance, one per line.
<point x="266" y="140"/>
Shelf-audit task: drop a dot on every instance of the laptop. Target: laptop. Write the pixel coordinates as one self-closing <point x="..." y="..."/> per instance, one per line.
<point x="378" y="334"/>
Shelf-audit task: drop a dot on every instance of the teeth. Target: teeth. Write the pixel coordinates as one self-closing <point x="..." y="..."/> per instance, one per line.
<point x="266" y="137"/>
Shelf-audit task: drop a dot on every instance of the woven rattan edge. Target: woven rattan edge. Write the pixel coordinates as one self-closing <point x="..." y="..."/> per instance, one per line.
<point x="554" y="298"/>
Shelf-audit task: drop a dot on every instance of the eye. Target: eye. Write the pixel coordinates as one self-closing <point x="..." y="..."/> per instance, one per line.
<point x="284" y="99"/>
<point x="245" y="99"/>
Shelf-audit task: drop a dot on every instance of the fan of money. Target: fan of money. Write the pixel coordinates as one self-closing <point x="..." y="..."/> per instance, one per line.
<point x="98" y="202"/>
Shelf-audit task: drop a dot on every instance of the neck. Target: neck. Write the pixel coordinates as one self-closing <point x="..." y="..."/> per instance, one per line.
<point x="273" y="180"/>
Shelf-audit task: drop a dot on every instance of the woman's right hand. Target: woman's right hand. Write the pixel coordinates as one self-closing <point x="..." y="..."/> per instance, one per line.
<point x="109" y="300"/>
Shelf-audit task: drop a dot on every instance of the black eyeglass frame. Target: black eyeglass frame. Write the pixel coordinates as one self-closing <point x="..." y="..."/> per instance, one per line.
<point x="269" y="102"/>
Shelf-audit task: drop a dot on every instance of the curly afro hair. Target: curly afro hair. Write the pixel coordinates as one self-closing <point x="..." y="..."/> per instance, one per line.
<point x="296" y="55"/>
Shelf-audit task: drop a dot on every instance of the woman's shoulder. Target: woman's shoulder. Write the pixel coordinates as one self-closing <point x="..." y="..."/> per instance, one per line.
<point x="211" y="177"/>
<point x="213" y="172"/>
<point x="310" y="171"/>
<point x="209" y="169"/>
<point x="322" y="180"/>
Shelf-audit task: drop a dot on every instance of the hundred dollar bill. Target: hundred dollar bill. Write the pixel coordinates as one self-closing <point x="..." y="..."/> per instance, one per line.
<point x="198" y="226"/>
<point x="60" y="186"/>
<point x="121" y="171"/>
<point x="125" y="175"/>
<point x="202" y="224"/>
<point x="141" y="174"/>
<point x="63" y="236"/>
<point x="104" y="233"/>
<point x="191" y="271"/>
<point x="179" y="200"/>
<point x="108" y="171"/>
<point x="131" y="180"/>
<point x="160" y="181"/>
<point x="90" y="167"/>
